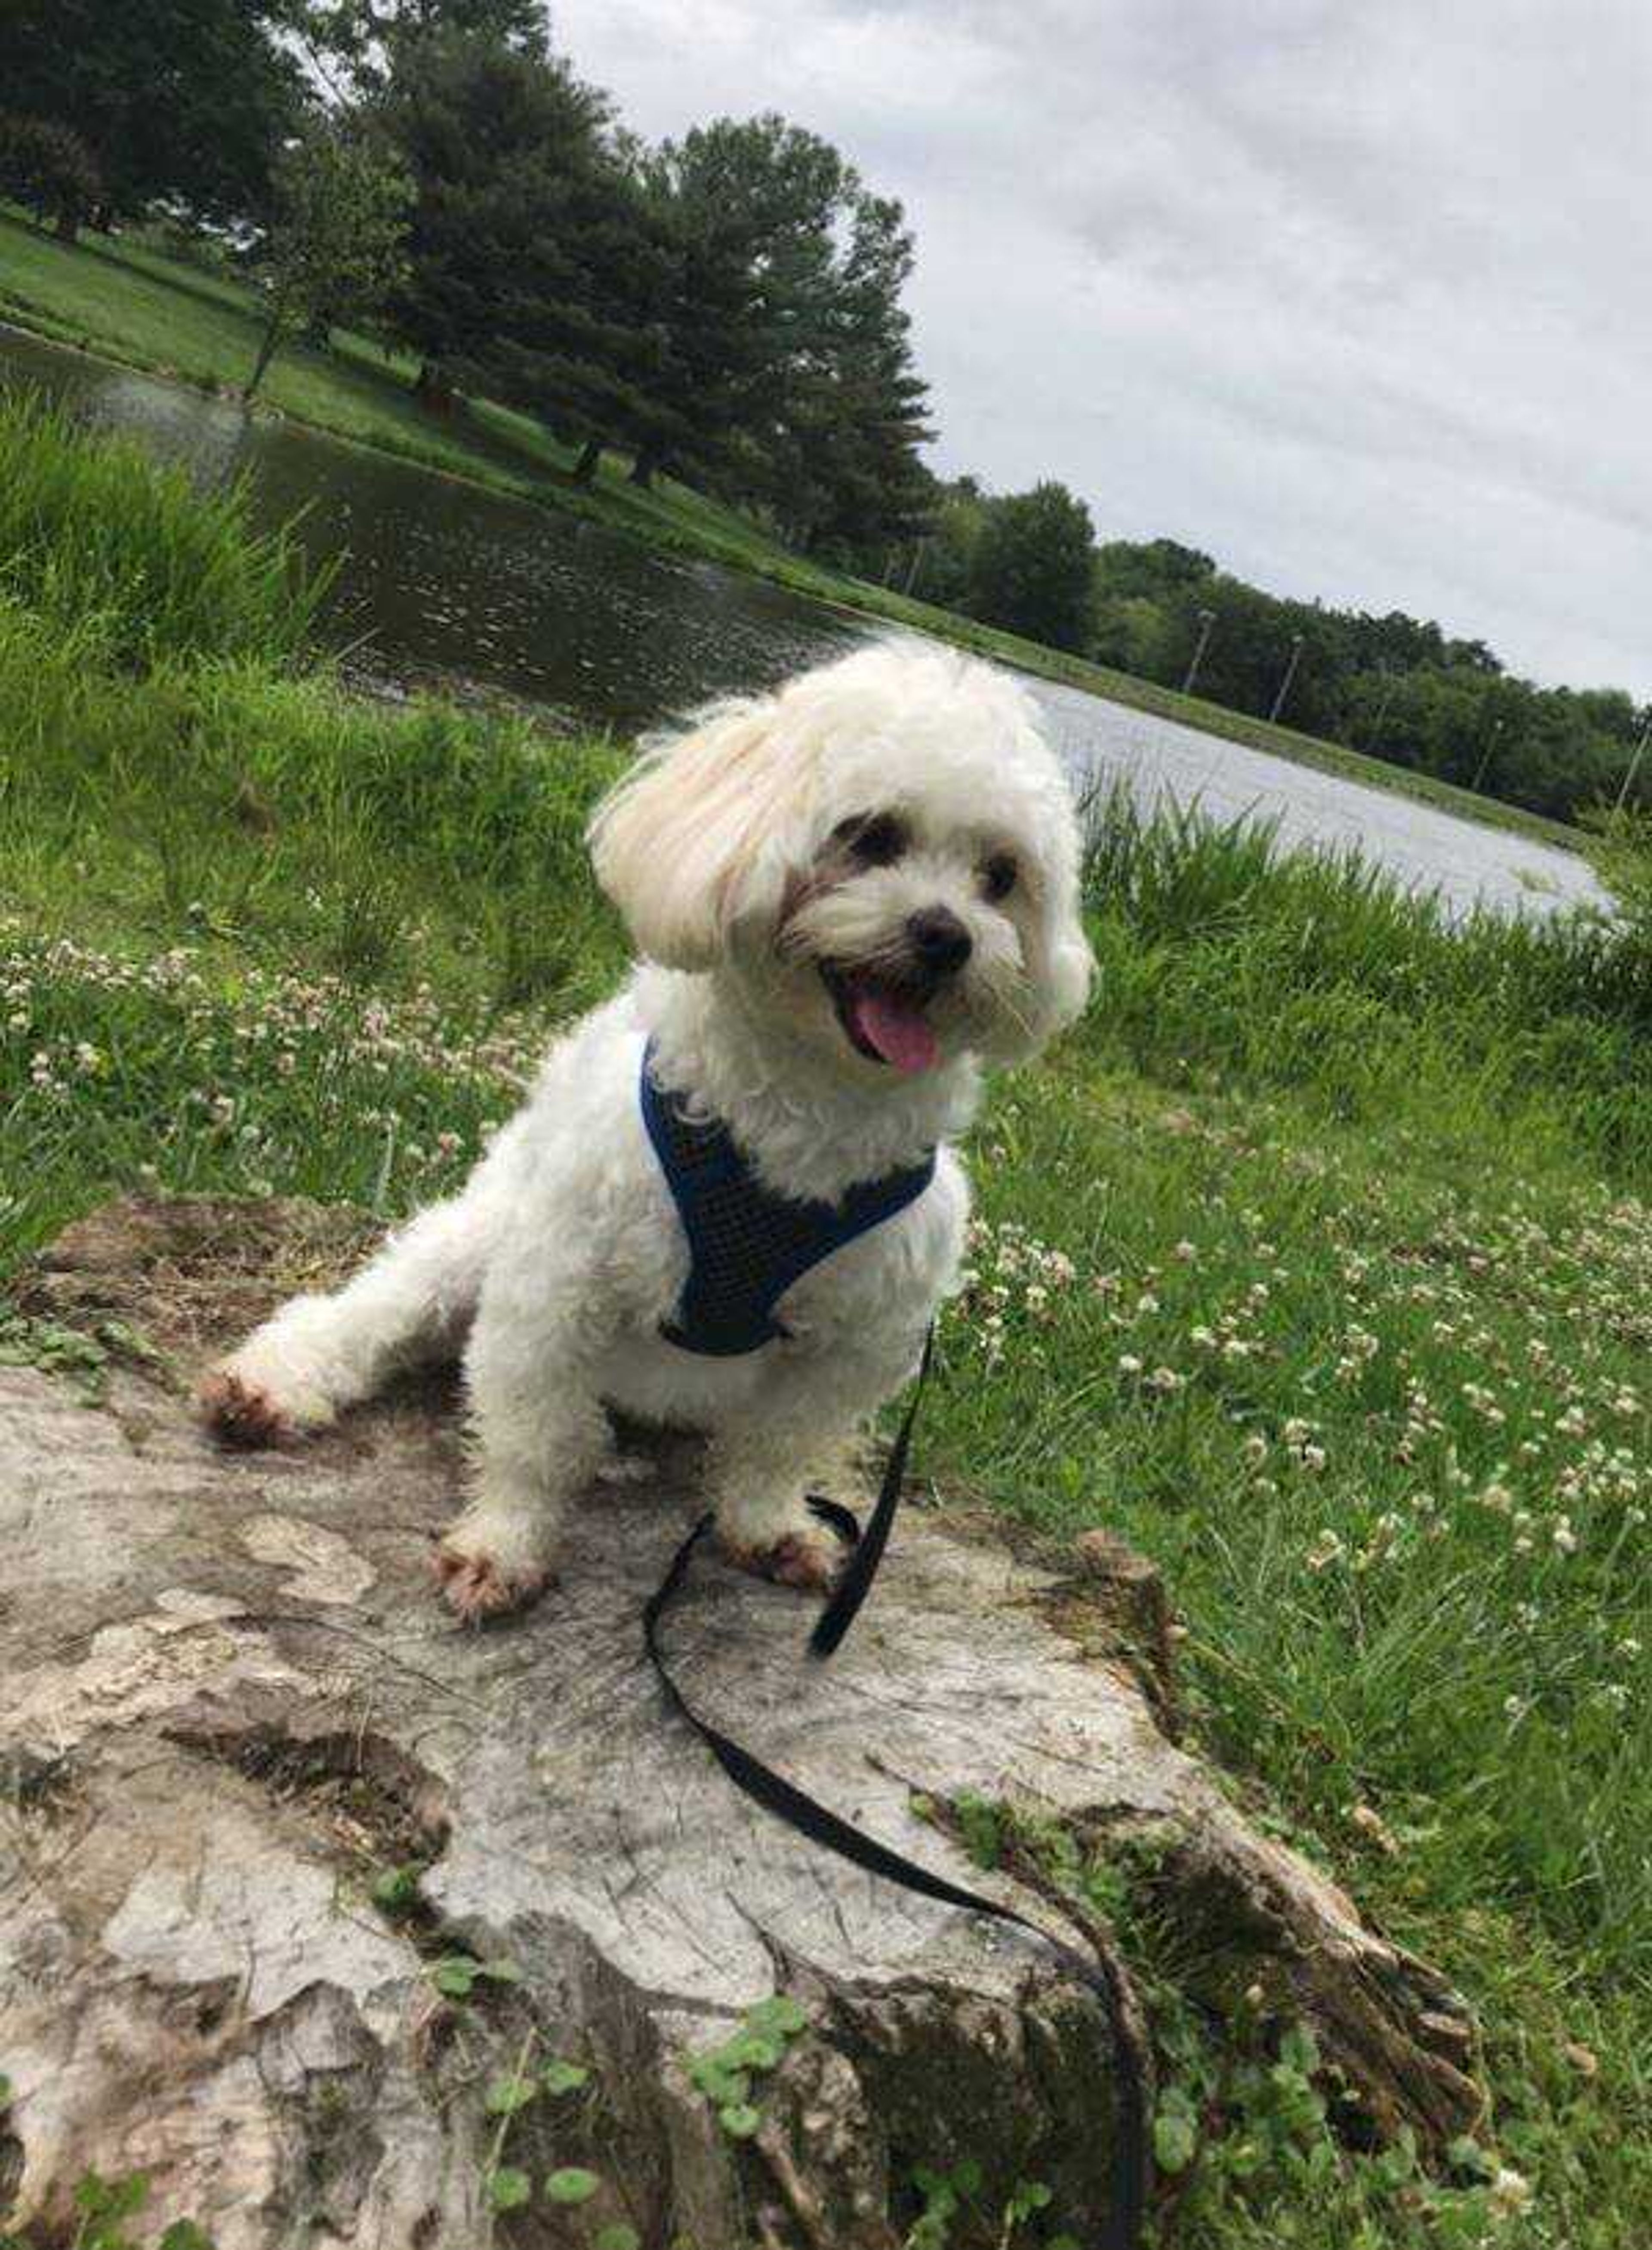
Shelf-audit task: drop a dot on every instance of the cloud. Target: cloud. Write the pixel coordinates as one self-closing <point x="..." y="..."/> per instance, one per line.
<point x="1349" y="296"/>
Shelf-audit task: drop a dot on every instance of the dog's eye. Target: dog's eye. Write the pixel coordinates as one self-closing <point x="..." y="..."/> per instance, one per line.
<point x="998" y="875"/>
<point x="876" y="840"/>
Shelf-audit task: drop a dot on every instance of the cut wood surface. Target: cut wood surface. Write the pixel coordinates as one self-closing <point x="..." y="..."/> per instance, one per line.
<point x="230" y="1699"/>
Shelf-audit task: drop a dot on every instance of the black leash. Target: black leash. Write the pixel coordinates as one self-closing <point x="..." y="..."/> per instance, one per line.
<point x="867" y="1547"/>
<point x="1104" y="1976"/>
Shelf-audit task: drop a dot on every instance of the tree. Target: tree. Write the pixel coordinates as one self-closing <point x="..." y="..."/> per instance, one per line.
<point x="365" y="46"/>
<point x="50" y="168"/>
<point x="536" y="266"/>
<point x="1033" y="565"/>
<point x="1149" y="568"/>
<point x="799" y="388"/>
<point x="940" y="565"/>
<point x="869" y="485"/>
<point x="335" y="248"/>
<point x="183" y="99"/>
<point x="1136" y="610"/>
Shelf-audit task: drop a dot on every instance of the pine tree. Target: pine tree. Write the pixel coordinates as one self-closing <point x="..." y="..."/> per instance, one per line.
<point x="484" y="133"/>
<point x="790" y="337"/>
<point x="538" y="269"/>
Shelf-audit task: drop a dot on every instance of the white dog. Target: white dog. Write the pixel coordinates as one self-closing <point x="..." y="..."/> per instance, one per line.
<point x="848" y="896"/>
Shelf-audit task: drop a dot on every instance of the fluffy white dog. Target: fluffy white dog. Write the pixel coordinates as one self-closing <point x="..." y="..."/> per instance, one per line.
<point x="847" y="897"/>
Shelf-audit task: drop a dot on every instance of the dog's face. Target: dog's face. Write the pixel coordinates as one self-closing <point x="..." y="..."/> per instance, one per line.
<point x="885" y="853"/>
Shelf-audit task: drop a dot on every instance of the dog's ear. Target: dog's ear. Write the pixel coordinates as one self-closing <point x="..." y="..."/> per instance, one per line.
<point x="1070" y="967"/>
<point x="691" y="842"/>
<point x="1061" y="963"/>
<point x="1072" y="971"/>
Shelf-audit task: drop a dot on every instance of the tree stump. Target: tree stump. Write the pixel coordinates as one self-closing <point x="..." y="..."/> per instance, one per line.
<point x="230" y="1699"/>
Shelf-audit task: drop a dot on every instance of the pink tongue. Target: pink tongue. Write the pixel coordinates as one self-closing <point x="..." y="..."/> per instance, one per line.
<point x="897" y="1030"/>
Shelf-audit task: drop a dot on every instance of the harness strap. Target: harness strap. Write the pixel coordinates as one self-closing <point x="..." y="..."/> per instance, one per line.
<point x="746" y="1244"/>
<point x="1104" y="1976"/>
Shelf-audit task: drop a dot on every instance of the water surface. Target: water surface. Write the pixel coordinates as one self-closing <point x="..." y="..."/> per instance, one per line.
<point x="447" y="583"/>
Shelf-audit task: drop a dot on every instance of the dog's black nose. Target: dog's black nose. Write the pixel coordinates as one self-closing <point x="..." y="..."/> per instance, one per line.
<point x="939" y="941"/>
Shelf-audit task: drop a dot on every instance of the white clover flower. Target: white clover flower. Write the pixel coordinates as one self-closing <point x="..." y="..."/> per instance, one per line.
<point x="1128" y="1363"/>
<point x="1509" y="2192"/>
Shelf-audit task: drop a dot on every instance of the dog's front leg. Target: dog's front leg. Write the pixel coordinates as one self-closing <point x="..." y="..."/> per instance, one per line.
<point x="761" y="1465"/>
<point x="539" y="1432"/>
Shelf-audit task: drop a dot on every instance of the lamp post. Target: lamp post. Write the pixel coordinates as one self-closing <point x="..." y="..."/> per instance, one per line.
<point x="1207" y="619"/>
<point x="1485" y="755"/>
<point x="1391" y="680"/>
<point x="1290" y="673"/>
<point x="1633" y="767"/>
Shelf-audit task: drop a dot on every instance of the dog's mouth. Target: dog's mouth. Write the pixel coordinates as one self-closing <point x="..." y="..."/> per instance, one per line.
<point x="884" y="1021"/>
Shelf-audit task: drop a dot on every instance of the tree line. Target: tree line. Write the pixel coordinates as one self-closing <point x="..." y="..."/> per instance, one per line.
<point x="1395" y="686"/>
<point x="726" y="308"/>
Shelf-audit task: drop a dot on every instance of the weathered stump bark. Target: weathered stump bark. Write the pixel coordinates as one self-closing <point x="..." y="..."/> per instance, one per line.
<point x="229" y="1697"/>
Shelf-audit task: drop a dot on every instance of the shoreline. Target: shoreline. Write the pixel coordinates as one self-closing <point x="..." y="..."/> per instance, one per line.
<point x="755" y="558"/>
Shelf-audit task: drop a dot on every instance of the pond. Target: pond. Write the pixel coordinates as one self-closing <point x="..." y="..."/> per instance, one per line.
<point x="447" y="583"/>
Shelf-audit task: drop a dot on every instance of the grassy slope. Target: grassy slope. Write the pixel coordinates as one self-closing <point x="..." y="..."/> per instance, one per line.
<point x="129" y="304"/>
<point x="1315" y="1261"/>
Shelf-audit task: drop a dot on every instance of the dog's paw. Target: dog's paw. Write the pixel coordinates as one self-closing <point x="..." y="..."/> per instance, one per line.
<point x="237" y="1413"/>
<point x="260" y="1398"/>
<point x="490" y="1561"/>
<point x="806" y="1559"/>
<point x="244" y="1406"/>
<point x="477" y="1586"/>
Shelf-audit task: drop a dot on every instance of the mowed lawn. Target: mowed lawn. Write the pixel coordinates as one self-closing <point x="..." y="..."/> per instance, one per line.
<point x="128" y="303"/>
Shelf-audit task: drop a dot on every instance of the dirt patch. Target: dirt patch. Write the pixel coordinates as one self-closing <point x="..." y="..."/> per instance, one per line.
<point x="374" y="1806"/>
<point x="181" y="1273"/>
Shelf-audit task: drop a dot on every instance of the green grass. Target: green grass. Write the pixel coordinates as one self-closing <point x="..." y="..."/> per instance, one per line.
<point x="93" y="543"/>
<point x="1317" y="1260"/>
<point x="122" y="299"/>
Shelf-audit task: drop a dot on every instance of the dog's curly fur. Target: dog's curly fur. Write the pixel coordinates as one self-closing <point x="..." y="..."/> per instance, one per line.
<point x="848" y="897"/>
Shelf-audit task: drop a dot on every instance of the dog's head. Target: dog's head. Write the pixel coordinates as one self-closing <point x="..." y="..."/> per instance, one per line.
<point x="885" y="851"/>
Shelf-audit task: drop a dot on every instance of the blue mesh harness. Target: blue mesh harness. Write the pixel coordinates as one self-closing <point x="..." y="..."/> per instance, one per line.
<point x="746" y="1245"/>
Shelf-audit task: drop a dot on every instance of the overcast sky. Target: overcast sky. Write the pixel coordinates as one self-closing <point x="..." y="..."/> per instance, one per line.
<point x="1352" y="293"/>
